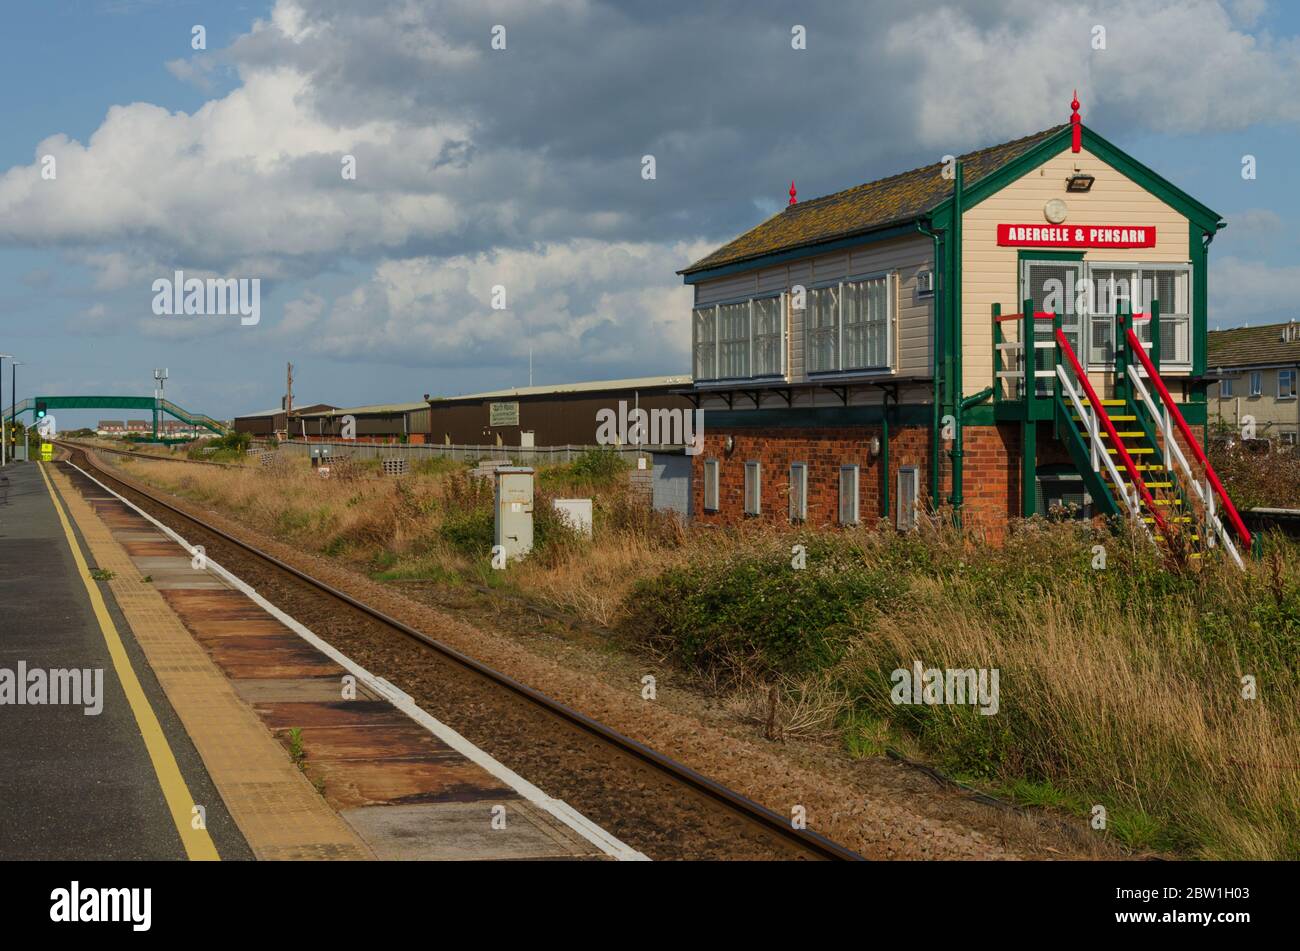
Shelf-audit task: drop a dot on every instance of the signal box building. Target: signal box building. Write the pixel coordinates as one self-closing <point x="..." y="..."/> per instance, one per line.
<point x="861" y="355"/>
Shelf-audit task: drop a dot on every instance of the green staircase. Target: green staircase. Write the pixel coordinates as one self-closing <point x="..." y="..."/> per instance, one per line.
<point x="1125" y="447"/>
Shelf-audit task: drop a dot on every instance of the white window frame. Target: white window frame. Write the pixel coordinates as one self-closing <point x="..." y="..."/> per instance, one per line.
<point x="1225" y="388"/>
<point x="1256" y="382"/>
<point x="798" y="492"/>
<point x="909" y="477"/>
<point x="714" y="372"/>
<point x="1290" y="390"/>
<point x="711" y="484"/>
<point x="849" y="496"/>
<point x="1135" y="269"/>
<point x="891" y="325"/>
<point x="754" y="472"/>
<point x="1290" y="438"/>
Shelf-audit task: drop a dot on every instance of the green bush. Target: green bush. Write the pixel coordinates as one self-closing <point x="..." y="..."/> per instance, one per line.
<point x="758" y="610"/>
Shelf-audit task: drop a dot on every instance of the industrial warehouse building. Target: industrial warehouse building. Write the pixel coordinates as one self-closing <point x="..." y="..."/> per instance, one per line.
<point x="859" y="355"/>
<point x="564" y="415"/>
<point x="272" y="422"/>
<point x="559" y="415"/>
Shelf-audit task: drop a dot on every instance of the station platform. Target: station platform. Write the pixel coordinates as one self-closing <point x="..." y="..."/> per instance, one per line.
<point x="89" y="779"/>
<point x="294" y="752"/>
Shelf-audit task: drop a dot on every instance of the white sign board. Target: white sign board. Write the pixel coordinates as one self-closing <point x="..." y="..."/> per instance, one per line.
<point x="47" y="427"/>
<point x="576" y="513"/>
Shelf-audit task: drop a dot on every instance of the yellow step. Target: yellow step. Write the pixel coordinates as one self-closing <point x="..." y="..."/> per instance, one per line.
<point x="1087" y="402"/>
<point x="1136" y="451"/>
<point x="1177" y="518"/>
<point x="1125" y="435"/>
<point x="1165" y="501"/>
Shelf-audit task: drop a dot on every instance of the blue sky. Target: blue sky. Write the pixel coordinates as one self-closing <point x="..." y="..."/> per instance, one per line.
<point x="521" y="168"/>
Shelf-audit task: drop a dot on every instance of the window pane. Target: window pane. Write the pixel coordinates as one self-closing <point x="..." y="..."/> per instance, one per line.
<point x="704" y="344"/>
<point x="821" y="320"/>
<point x="733" y="340"/>
<point x="866" y="324"/>
<point x="768" y="331"/>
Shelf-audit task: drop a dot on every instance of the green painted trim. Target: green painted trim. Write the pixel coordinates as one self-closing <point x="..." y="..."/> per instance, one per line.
<point x="1032" y="254"/>
<point x="1198" y="254"/>
<point x="1112" y="155"/>
<point x="804" y="251"/>
<point x="905" y="414"/>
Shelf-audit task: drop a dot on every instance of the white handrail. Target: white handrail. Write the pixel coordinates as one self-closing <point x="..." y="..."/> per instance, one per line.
<point x="1094" y="430"/>
<point x="1173" y="449"/>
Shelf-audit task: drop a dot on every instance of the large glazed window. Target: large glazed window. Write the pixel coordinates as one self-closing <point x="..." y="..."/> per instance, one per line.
<point x="739" y="340"/>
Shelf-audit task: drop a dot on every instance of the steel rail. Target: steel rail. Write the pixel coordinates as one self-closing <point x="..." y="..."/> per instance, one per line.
<point x="754" y="812"/>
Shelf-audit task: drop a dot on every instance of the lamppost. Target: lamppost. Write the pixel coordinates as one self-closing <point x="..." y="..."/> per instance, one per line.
<point x="13" y="400"/>
<point x="3" y="437"/>
<point x="160" y="381"/>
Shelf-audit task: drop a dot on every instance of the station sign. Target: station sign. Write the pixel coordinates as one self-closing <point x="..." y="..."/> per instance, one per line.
<point x="1076" y="236"/>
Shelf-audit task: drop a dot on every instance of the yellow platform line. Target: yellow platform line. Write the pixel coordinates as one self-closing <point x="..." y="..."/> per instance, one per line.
<point x="198" y="844"/>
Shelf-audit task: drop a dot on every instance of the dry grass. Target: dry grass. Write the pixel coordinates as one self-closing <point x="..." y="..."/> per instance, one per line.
<point x="1120" y="688"/>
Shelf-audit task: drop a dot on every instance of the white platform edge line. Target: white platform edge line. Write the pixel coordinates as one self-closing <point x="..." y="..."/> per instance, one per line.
<point x="561" y="810"/>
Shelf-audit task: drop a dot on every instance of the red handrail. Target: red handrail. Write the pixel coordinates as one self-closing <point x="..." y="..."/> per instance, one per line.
<point x="1154" y="376"/>
<point x="1102" y="415"/>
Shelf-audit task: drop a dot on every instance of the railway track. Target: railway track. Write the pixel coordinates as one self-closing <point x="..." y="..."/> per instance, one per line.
<point x="648" y="799"/>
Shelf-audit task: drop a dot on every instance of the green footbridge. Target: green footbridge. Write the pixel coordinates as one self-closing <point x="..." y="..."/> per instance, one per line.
<point x="157" y="407"/>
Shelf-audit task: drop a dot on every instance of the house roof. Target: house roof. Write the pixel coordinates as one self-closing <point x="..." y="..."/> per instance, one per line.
<point x="1249" y="346"/>
<point x="896" y="200"/>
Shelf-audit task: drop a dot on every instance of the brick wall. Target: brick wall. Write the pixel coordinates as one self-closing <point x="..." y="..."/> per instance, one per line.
<point x="991" y="483"/>
<point x="824" y="449"/>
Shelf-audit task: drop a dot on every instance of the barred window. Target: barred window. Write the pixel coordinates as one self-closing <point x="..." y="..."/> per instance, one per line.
<point x="753" y="488"/>
<point x="798" y="491"/>
<point x="848" y="495"/>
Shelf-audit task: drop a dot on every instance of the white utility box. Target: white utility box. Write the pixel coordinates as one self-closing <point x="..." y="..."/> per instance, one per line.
<point x="514" y="510"/>
<point x="576" y="514"/>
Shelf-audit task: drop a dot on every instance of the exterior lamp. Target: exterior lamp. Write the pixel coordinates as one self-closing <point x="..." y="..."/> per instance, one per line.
<point x="874" y="446"/>
<point x="1079" y="182"/>
<point x="730" y="442"/>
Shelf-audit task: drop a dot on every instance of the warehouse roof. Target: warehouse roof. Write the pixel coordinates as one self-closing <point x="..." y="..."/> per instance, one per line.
<point x="888" y="201"/>
<point x="313" y="407"/>
<point x="378" y="409"/>
<point x="1246" y="346"/>
<point x="590" y="386"/>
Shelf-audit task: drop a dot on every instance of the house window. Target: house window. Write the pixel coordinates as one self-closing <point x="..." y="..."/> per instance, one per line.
<point x="753" y="488"/>
<point x="908" y="487"/>
<point x="798" y="491"/>
<point x="706" y="349"/>
<point x="769" y="337"/>
<point x="1286" y="384"/>
<point x="1289" y="438"/>
<point x="849" y="325"/>
<point x="710" y="485"/>
<point x="1256" y="383"/>
<point x="1225" y="389"/>
<point x="733" y="341"/>
<point x="848" y="495"/>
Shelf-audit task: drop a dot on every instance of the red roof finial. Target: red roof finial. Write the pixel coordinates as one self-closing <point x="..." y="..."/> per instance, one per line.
<point x="793" y="199"/>
<point x="1076" y="124"/>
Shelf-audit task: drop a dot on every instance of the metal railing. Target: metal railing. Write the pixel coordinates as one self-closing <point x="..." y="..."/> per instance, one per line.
<point x="413" y="452"/>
